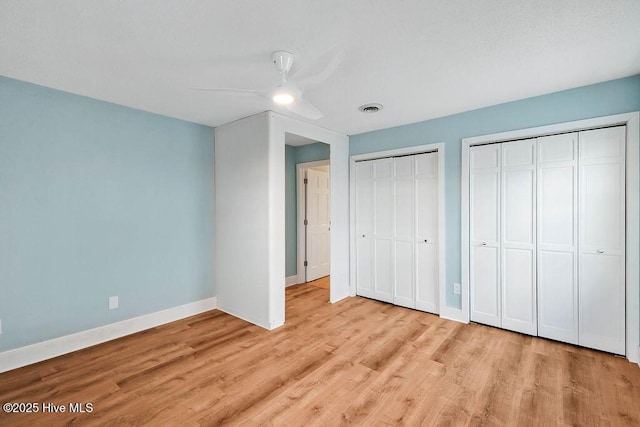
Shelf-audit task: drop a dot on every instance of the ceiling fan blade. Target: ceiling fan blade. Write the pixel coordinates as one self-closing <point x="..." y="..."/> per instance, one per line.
<point x="229" y="90"/>
<point x="325" y="74"/>
<point x="305" y="109"/>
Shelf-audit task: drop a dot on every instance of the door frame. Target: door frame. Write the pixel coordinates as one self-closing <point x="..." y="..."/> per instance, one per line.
<point x="438" y="148"/>
<point x="301" y="192"/>
<point x="632" y="270"/>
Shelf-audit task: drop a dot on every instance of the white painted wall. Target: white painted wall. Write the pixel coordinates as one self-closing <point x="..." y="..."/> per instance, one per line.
<point x="250" y="215"/>
<point x="242" y="245"/>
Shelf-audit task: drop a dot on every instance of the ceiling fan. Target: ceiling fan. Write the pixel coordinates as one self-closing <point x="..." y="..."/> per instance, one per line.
<point x="288" y="93"/>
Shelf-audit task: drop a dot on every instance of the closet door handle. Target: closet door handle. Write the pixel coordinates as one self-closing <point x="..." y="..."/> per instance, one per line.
<point x="483" y="244"/>
<point x="600" y="251"/>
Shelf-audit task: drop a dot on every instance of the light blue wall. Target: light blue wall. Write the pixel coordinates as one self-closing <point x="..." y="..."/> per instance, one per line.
<point x="290" y="200"/>
<point x="312" y="152"/>
<point x="293" y="156"/>
<point x="613" y="97"/>
<point x="97" y="200"/>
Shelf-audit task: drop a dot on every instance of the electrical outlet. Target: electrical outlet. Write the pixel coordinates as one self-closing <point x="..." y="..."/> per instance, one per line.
<point x="113" y="303"/>
<point x="456" y="288"/>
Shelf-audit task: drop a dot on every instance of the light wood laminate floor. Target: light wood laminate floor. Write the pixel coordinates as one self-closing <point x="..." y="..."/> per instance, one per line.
<point x="357" y="362"/>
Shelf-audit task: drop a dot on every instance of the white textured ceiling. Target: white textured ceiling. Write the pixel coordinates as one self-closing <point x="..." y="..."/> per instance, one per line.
<point x="297" y="140"/>
<point x="419" y="58"/>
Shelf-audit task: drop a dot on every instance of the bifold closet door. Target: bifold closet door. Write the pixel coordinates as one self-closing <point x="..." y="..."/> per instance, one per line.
<point x="602" y="239"/>
<point x="518" y="237"/>
<point x="485" y="234"/>
<point x="374" y="219"/>
<point x="426" y="234"/>
<point x="503" y="236"/>
<point x="558" y="237"/>
<point x="383" y="229"/>
<point x="397" y="231"/>
<point x="365" y="260"/>
<point x="403" y="243"/>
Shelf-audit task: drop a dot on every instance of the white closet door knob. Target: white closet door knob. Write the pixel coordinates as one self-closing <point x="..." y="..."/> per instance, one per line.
<point x="600" y="251"/>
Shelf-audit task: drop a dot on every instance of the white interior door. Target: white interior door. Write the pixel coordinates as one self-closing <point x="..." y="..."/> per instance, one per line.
<point x="484" y="268"/>
<point x="518" y="237"/>
<point x="557" y="231"/>
<point x="365" y="259"/>
<point x="602" y="239"/>
<point x="426" y="235"/>
<point x="403" y="241"/>
<point x="383" y="229"/>
<point x="318" y="224"/>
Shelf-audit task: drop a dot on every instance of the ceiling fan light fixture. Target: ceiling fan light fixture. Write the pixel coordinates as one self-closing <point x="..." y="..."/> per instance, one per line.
<point x="283" y="98"/>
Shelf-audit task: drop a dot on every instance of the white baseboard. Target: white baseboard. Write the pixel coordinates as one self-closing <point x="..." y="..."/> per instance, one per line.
<point x="38" y="352"/>
<point x="291" y="280"/>
<point x="454" y="314"/>
<point x="246" y="317"/>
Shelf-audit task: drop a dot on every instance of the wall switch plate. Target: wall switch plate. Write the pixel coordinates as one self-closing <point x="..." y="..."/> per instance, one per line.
<point x="456" y="288"/>
<point x="113" y="303"/>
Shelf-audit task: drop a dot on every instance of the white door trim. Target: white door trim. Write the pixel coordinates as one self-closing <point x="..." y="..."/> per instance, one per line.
<point x="300" y="207"/>
<point x="632" y="121"/>
<point x="442" y="243"/>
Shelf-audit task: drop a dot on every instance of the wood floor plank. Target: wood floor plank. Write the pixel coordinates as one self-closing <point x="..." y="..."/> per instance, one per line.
<point x="356" y="362"/>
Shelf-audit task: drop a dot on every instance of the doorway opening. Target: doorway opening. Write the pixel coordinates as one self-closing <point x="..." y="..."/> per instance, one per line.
<point x="308" y="211"/>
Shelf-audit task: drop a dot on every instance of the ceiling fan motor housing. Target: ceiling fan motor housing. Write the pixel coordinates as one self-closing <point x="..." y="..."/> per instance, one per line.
<point x="283" y="61"/>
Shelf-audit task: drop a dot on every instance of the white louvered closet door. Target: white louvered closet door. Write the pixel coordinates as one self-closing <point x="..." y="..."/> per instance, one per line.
<point x="518" y="237"/>
<point x="484" y="277"/>
<point x="558" y="237"/>
<point x="426" y="232"/>
<point x="602" y="239"/>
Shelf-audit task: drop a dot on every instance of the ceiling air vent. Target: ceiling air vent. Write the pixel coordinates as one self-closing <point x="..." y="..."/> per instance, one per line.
<point x="370" y="108"/>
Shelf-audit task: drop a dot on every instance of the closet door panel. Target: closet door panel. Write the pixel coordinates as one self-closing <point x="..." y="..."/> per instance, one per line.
<point x="365" y="257"/>
<point x="557" y="237"/>
<point x="485" y="235"/>
<point x="364" y="199"/>
<point x="602" y="303"/>
<point x="557" y="205"/>
<point x="364" y="268"/>
<point x="426" y="237"/>
<point x="485" y="193"/>
<point x="427" y="275"/>
<point x="519" y="200"/>
<point x="557" y="296"/>
<point x="427" y="197"/>
<point x="519" y="291"/>
<point x="518" y="225"/>
<point x="602" y="240"/>
<point x="404" y="209"/>
<point x="485" y="298"/>
<point x="601" y="201"/>
<point x="404" y="283"/>
<point x="404" y="292"/>
<point x="383" y="209"/>
<point x="383" y="268"/>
